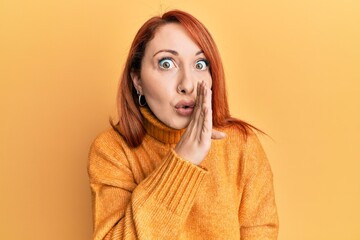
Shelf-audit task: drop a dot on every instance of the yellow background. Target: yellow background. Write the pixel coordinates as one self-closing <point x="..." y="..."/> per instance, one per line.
<point x="292" y="67"/>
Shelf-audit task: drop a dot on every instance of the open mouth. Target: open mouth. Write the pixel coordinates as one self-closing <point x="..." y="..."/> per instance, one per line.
<point x="185" y="109"/>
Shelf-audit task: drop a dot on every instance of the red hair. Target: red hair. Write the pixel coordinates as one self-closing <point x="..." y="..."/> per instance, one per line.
<point x="130" y="124"/>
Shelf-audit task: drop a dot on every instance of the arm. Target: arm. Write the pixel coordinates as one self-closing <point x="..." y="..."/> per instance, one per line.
<point x="257" y="213"/>
<point x="156" y="208"/>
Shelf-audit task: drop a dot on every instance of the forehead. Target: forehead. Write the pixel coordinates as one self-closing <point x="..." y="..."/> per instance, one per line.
<point x="172" y="36"/>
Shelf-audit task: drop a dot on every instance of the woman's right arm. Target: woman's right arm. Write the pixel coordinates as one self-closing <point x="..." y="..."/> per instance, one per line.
<point x="156" y="208"/>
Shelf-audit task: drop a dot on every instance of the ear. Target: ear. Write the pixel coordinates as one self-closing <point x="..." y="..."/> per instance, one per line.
<point x="136" y="81"/>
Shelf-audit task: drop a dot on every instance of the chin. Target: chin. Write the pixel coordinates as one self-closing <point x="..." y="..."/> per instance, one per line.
<point x="181" y="124"/>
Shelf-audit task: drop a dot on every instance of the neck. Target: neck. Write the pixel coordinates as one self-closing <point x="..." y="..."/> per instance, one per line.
<point x="158" y="130"/>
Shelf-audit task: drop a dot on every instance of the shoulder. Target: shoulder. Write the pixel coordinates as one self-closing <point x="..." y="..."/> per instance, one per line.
<point x="246" y="137"/>
<point x="245" y="145"/>
<point x="108" y="139"/>
<point x="108" y="157"/>
<point x="107" y="160"/>
<point x="109" y="145"/>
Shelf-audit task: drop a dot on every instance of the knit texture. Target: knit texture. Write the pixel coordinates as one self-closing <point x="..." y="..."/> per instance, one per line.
<point x="150" y="192"/>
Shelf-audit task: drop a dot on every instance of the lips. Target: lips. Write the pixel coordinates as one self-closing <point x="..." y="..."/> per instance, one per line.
<point x="185" y="107"/>
<point x="185" y="104"/>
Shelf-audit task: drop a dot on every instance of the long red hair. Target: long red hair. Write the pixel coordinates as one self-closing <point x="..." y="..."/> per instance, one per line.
<point x="130" y="124"/>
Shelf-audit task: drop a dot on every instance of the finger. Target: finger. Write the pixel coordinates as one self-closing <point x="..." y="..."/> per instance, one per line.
<point x="194" y="115"/>
<point x="205" y="117"/>
<point x="207" y="102"/>
<point x="197" y="101"/>
<point x="217" y="134"/>
<point x="197" y="110"/>
<point x="207" y="124"/>
<point x="200" y="116"/>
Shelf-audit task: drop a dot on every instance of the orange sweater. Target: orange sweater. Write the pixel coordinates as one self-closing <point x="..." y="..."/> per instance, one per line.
<point x="151" y="193"/>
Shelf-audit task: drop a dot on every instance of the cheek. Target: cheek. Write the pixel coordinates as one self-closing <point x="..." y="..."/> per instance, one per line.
<point x="157" y="86"/>
<point x="157" y="92"/>
<point x="208" y="79"/>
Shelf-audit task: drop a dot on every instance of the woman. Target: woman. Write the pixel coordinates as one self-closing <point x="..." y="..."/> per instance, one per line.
<point x="158" y="174"/>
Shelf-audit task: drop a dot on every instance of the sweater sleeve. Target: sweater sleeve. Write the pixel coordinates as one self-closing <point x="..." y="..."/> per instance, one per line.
<point x="156" y="208"/>
<point x="257" y="212"/>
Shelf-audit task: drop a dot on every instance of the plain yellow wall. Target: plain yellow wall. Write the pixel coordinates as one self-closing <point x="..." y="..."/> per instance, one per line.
<point x="293" y="70"/>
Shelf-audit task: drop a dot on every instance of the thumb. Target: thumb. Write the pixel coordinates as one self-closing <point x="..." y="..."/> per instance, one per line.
<point x="217" y="134"/>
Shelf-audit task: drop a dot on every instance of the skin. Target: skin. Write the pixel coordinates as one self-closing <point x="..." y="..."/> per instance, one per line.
<point x="174" y="69"/>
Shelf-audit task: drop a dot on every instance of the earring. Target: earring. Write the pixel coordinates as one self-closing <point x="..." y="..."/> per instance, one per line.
<point x="141" y="104"/>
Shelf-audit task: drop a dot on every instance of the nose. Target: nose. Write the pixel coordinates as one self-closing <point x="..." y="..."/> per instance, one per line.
<point x="187" y="82"/>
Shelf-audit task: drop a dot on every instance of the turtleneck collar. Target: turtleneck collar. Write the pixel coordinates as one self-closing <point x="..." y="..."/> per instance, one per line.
<point x="159" y="130"/>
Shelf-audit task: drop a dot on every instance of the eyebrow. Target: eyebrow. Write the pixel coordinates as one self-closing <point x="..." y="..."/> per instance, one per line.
<point x="173" y="52"/>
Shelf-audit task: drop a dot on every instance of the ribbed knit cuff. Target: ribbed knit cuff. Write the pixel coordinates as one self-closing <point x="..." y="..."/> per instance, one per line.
<point x="175" y="183"/>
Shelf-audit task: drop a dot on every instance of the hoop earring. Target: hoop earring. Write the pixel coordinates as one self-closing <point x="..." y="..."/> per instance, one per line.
<point x="141" y="104"/>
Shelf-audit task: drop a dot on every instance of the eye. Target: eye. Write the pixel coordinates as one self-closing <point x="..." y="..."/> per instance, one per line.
<point x="201" y="64"/>
<point x="166" y="63"/>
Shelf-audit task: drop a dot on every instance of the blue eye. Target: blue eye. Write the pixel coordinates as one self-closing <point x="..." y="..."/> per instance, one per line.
<point x="166" y="63"/>
<point x="201" y="64"/>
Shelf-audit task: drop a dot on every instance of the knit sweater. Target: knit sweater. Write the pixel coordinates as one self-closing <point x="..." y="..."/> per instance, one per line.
<point x="150" y="192"/>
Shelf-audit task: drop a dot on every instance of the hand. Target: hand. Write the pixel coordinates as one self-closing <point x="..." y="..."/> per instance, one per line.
<point x="196" y="141"/>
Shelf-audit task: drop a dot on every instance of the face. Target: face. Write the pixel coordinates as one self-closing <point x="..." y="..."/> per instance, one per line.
<point x="170" y="70"/>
